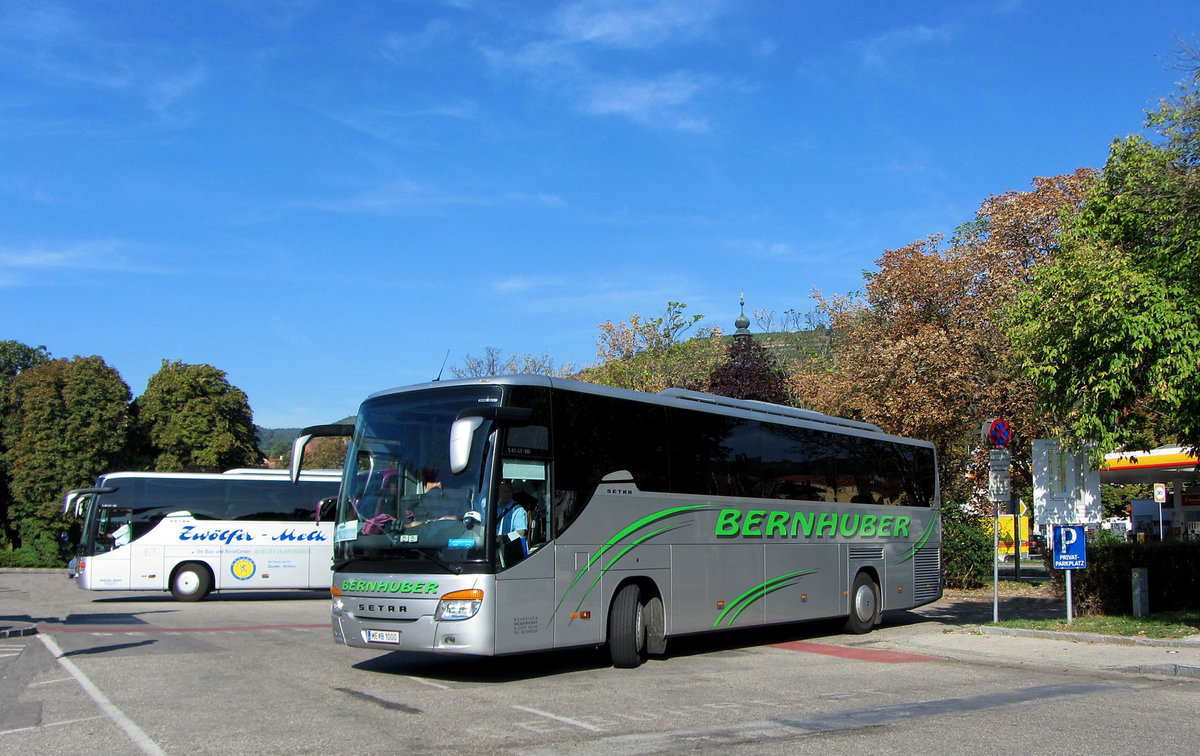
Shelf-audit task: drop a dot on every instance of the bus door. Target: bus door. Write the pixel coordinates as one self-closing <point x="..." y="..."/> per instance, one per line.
<point x="525" y="579"/>
<point x="109" y="564"/>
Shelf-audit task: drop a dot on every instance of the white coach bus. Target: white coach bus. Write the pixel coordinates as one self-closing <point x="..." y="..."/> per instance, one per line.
<point x="193" y="533"/>
<point x="511" y="514"/>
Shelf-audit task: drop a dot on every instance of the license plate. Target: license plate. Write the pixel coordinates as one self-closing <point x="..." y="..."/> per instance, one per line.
<point x="383" y="636"/>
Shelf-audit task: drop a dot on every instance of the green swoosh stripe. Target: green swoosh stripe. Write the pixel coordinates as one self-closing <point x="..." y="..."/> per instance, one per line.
<point x="622" y="553"/>
<point x="920" y="544"/>
<point x="628" y="530"/>
<point x="757" y="592"/>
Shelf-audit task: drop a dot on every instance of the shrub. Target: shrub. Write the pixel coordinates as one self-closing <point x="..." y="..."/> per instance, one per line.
<point x="1106" y="586"/>
<point x="966" y="554"/>
<point x="42" y="552"/>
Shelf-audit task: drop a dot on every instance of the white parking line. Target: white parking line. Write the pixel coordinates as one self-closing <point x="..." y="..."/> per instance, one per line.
<point x="135" y="733"/>
<point x="556" y="718"/>
<point x="430" y="683"/>
<point x="44" y="725"/>
<point x="50" y="682"/>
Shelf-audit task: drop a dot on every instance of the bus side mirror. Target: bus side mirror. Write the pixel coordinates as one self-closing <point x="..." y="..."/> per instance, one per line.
<point x="81" y="496"/>
<point x="326" y="508"/>
<point x="462" y="433"/>
<point x="298" y="455"/>
<point x="308" y="434"/>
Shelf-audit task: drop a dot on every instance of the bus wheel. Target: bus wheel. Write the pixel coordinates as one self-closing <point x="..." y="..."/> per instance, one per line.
<point x="627" y="628"/>
<point x="864" y="604"/>
<point x="191" y="582"/>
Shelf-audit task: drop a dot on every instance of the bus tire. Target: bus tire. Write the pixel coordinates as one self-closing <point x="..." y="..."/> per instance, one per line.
<point x="627" y="627"/>
<point x="191" y="581"/>
<point x="864" y="604"/>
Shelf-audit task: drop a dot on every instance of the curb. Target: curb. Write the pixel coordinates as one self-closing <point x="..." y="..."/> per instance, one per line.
<point x="17" y="630"/>
<point x="1170" y="670"/>
<point x="1115" y="640"/>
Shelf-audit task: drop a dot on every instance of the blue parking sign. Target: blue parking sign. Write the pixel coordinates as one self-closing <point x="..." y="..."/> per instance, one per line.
<point x="1070" y="547"/>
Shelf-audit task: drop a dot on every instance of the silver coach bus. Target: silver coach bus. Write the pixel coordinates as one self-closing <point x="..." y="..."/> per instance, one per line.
<point x="512" y="514"/>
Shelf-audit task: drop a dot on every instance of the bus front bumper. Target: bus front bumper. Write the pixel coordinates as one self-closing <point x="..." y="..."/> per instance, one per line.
<point x="356" y="623"/>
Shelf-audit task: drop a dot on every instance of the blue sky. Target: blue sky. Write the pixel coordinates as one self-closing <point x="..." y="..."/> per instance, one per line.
<point x="323" y="198"/>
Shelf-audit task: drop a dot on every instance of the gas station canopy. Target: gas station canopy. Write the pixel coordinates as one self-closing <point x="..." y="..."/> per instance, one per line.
<point x="1166" y="463"/>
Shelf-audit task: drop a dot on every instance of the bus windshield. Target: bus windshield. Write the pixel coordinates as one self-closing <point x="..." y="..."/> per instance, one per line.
<point x="401" y="498"/>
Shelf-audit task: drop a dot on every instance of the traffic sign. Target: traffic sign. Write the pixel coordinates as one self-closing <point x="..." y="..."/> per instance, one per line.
<point x="999" y="487"/>
<point x="999" y="433"/>
<point x="1070" y="547"/>
<point x="999" y="483"/>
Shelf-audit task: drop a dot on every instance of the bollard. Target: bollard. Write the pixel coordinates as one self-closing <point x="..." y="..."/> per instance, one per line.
<point x="1141" y="592"/>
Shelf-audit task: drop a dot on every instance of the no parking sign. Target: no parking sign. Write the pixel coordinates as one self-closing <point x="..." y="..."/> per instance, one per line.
<point x="999" y="432"/>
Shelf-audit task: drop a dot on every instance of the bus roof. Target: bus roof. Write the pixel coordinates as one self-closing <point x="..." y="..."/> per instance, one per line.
<point x="674" y="397"/>
<point x="242" y="474"/>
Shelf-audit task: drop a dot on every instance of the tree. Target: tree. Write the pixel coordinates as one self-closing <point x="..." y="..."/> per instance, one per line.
<point x="651" y="354"/>
<point x="749" y="373"/>
<point x="491" y="363"/>
<point x="15" y="358"/>
<point x="319" y="454"/>
<point x="195" y="420"/>
<point x="68" y="422"/>
<point x="1109" y="332"/>
<point x="920" y="353"/>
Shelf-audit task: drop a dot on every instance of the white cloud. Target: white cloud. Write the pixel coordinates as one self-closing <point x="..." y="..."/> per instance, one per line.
<point x="86" y="255"/>
<point x="520" y="284"/>
<point x="403" y="195"/>
<point x="98" y="255"/>
<point x="651" y="102"/>
<point x="633" y="23"/>
<point x="576" y="53"/>
<point x="882" y="50"/>
<point x="57" y="44"/>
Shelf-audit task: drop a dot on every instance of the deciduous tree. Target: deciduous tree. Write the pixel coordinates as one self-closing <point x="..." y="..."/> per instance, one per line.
<point x="68" y="422"/>
<point x="749" y="373"/>
<point x="1109" y="332"/>
<point x="15" y="358"/>
<point x="492" y="363"/>
<point x="920" y="353"/>
<point x="195" y="420"/>
<point x="651" y="354"/>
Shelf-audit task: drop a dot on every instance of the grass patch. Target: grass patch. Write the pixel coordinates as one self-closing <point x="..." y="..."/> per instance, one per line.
<point x="1164" y="625"/>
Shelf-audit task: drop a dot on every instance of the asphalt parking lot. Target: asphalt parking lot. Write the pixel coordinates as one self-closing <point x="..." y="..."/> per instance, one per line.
<point x="259" y="673"/>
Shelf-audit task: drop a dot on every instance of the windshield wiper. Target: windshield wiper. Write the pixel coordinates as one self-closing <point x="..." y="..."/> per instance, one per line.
<point x="455" y="568"/>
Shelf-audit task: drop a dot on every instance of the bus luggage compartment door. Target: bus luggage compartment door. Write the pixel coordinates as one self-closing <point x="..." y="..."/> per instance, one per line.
<point x="525" y="605"/>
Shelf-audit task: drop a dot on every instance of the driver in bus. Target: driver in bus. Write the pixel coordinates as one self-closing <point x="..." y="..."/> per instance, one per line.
<point x="513" y="520"/>
<point x="122" y="533"/>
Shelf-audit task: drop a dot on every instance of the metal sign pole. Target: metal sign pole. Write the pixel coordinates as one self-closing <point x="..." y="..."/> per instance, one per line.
<point x="1070" y="600"/>
<point x="996" y="564"/>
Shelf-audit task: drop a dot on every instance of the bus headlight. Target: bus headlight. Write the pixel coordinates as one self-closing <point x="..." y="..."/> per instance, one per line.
<point x="459" y="605"/>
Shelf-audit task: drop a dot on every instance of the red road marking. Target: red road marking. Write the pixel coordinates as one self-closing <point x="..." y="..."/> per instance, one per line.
<point x="860" y="654"/>
<point x="44" y="628"/>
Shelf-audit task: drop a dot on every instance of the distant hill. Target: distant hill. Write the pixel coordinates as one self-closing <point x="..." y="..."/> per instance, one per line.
<point x="269" y="438"/>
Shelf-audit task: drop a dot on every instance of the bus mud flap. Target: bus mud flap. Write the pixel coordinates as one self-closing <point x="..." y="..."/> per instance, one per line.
<point x="656" y="639"/>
